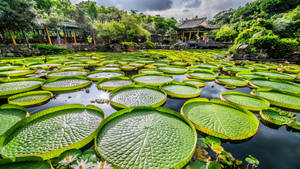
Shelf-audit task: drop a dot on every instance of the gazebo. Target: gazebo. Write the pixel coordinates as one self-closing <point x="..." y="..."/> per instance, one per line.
<point x="194" y="28"/>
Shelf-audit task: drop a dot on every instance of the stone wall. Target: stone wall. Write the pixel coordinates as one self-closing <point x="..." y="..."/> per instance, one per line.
<point x="20" y="50"/>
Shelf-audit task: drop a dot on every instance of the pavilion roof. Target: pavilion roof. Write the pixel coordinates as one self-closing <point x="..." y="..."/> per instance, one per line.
<point x="195" y="23"/>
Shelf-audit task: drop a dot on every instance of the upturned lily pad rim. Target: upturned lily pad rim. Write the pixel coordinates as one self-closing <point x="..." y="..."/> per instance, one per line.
<point x="8" y="93"/>
<point x="30" y="103"/>
<point x="160" y="109"/>
<point x="288" y="76"/>
<point x="252" y="85"/>
<point x="103" y="71"/>
<point x="151" y="74"/>
<point x="120" y="89"/>
<point x="62" y="70"/>
<point x="176" y="95"/>
<point x="127" y="68"/>
<point x="57" y="152"/>
<point x="246" y="95"/>
<point x="196" y="80"/>
<point x="172" y="72"/>
<point x="219" y="81"/>
<point x="276" y="103"/>
<point x="240" y="75"/>
<point x="57" y="89"/>
<point x="223" y="103"/>
<point x="214" y="76"/>
<point x="110" y="79"/>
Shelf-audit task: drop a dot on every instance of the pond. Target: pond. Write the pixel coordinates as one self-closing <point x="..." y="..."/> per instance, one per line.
<point x="276" y="148"/>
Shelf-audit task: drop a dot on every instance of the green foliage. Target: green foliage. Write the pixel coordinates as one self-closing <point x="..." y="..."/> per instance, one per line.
<point x="127" y="29"/>
<point x="130" y="44"/>
<point x="51" y="50"/>
<point x="274" y="46"/>
<point x="104" y="48"/>
<point x="226" y="34"/>
<point x="149" y="45"/>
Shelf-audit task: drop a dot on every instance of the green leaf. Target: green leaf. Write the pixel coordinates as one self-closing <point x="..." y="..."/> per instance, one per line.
<point x="220" y="119"/>
<point x="210" y="140"/>
<point x="181" y="90"/>
<point x="213" y="165"/>
<point x="145" y="137"/>
<point x="89" y="156"/>
<point x="30" y="98"/>
<point x="152" y="79"/>
<point x="66" y="83"/>
<point x="197" y="164"/>
<point x="217" y="148"/>
<point x="50" y="132"/>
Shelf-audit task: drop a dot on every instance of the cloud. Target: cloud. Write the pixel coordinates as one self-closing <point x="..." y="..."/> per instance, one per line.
<point x="173" y="8"/>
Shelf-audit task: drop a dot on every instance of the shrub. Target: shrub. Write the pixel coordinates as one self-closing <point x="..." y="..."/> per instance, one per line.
<point x="149" y="45"/>
<point x="273" y="45"/>
<point x="51" y="50"/>
<point x="130" y="44"/>
<point x="243" y="37"/>
<point x="226" y="34"/>
<point x="104" y="48"/>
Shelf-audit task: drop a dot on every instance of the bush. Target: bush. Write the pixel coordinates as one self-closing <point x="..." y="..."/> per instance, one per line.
<point x="243" y="37"/>
<point x="273" y="45"/>
<point x="104" y="48"/>
<point x="130" y="44"/>
<point x="51" y="50"/>
<point x="226" y="34"/>
<point x="149" y="45"/>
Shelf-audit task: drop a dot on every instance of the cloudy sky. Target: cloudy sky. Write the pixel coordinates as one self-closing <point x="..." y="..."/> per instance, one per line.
<point x="173" y="8"/>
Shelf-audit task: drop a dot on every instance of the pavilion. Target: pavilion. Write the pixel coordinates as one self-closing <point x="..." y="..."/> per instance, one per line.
<point x="191" y="29"/>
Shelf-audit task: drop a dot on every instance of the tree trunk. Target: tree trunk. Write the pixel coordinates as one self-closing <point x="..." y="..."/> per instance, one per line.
<point x="65" y="38"/>
<point x="26" y="39"/>
<point x="39" y="36"/>
<point x="47" y="32"/>
<point x="74" y="36"/>
<point x="12" y="38"/>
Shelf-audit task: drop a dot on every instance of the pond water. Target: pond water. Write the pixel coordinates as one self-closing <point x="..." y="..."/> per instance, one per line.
<point x="276" y="148"/>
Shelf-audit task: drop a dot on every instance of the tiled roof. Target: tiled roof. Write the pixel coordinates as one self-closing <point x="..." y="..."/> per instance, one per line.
<point x="194" y="23"/>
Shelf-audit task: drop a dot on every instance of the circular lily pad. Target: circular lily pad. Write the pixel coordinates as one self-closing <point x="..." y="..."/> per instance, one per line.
<point x="245" y="100"/>
<point x="195" y="82"/>
<point x="145" y="137"/>
<point x="276" y="84"/>
<point x="276" y="116"/>
<point x="275" y="75"/>
<point x="15" y="73"/>
<point x="248" y="75"/>
<point x="114" y="82"/>
<point x="127" y="68"/>
<point x="49" y="133"/>
<point x="66" y="73"/>
<point x="10" y="115"/>
<point x="108" y="68"/>
<point x="14" y="86"/>
<point x="98" y="75"/>
<point x="231" y="81"/>
<point x="278" y="98"/>
<point x="132" y="96"/>
<point x="173" y="69"/>
<point x="149" y="71"/>
<point x="8" y="67"/>
<point x="181" y="90"/>
<point x="152" y="79"/>
<point x="202" y="75"/>
<point x="220" y="119"/>
<point x="66" y="83"/>
<point x="30" y="98"/>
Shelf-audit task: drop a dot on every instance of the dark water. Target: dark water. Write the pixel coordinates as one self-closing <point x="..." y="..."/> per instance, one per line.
<point x="276" y="148"/>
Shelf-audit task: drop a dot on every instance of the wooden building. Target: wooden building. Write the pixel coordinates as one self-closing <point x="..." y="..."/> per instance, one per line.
<point x="191" y="29"/>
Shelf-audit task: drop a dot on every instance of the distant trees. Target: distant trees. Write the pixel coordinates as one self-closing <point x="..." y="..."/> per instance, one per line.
<point x="226" y="34"/>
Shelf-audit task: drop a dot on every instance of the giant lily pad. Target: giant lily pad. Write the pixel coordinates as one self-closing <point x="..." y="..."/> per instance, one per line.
<point x="245" y="100"/>
<point x="276" y="84"/>
<point x="14" y="86"/>
<point x="278" y="98"/>
<point x="66" y="73"/>
<point x="113" y="83"/>
<point x="275" y="75"/>
<point x="66" y="83"/>
<point x="181" y="90"/>
<point x="276" y="116"/>
<point x="131" y="96"/>
<point x="30" y="98"/>
<point x="202" y="75"/>
<point x="98" y="75"/>
<point x="18" y="72"/>
<point x="49" y="133"/>
<point x="152" y="79"/>
<point x="220" y="119"/>
<point x="145" y="137"/>
<point x="10" y="115"/>
<point x="195" y="82"/>
<point x="173" y="69"/>
<point x="231" y="81"/>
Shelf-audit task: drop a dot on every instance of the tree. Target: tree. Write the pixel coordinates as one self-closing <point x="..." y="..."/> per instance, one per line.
<point x="226" y="34"/>
<point x="17" y="15"/>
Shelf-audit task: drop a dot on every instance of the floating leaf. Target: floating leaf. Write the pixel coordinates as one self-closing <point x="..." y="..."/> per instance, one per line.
<point x="152" y="79"/>
<point x="66" y="83"/>
<point x="181" y="90"/>
<point x="30" y="98"/>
